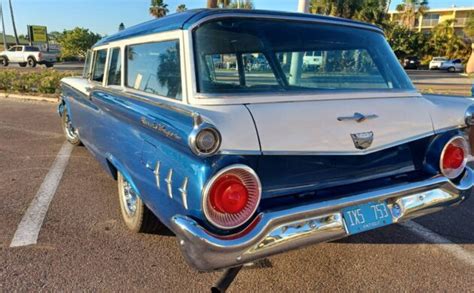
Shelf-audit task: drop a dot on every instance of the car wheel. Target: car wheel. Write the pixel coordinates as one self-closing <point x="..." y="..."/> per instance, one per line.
<point x="4" y="61"/>
<point x="70" y="132"/>
<point x="31" y="62"/>
<point x="452" y="69"/>
<point x="135" y="213"/>
<point x="22" y="64"/>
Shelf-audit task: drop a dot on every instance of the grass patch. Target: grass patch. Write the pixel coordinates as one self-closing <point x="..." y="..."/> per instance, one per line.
<point x="45" y="82"/>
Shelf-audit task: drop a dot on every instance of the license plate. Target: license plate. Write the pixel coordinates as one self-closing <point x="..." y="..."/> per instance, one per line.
<point x="367" y="217"/>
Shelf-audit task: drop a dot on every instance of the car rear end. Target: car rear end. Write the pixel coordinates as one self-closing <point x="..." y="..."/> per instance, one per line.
<point x="438" y="63"/>
<point x="345" y="148"/>
<point x="47" y="58"/>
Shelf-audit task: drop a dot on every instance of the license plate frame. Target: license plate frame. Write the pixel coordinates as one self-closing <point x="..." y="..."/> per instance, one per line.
<point x="367" y="216"/>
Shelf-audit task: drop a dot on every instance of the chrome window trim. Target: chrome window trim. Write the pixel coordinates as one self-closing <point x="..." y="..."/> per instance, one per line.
<point x="151" y="38"/>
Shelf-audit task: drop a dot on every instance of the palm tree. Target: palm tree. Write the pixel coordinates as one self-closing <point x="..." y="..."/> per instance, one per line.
<point x="181" y="8"/>
<point x="158" y="8"/>
<point x="469" y="28"/>
<point x="410" y="10"/>
<point x="218" y="3"/>
<point x="241" y="4"/>
<point x="3" y="28"/>
<point x="13" y="23"/>
<point x="211" y="3"/>
<point x="346" y="9"/>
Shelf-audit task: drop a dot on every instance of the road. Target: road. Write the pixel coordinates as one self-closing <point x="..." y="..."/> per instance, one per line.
<point x="84" y="246"/>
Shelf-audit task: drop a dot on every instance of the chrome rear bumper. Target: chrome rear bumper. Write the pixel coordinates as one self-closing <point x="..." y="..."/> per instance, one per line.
<point x="283" y="230"/>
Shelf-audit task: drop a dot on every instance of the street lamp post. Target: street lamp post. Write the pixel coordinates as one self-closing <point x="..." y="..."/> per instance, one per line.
<point x="297" y="57"/>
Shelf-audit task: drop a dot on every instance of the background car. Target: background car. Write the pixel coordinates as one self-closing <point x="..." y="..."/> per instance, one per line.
<point x="453" y="65"/>
<point x="436" y="62"/>
<point x="411" y="62"/>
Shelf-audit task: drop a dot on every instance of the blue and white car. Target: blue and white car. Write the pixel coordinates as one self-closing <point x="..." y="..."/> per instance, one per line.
<point x="241" y="164"/>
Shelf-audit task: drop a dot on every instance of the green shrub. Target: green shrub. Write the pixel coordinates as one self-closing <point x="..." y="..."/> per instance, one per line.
<point x="31" y="82"/>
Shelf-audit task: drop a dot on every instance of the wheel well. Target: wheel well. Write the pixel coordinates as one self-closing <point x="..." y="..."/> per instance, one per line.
<point x="32" y="57"/>
<point x="4" y="57"/>
<point x="112" y="169"/>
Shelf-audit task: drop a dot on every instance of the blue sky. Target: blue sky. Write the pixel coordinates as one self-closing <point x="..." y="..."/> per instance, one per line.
<point x="104" y="16"/>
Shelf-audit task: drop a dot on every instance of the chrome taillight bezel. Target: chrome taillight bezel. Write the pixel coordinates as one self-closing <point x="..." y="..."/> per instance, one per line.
<point x="454" y="173"/>
<point x="219" y="219"/>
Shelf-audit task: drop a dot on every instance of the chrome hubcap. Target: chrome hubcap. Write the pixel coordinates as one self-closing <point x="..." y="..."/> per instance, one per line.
<point x="129" y="198"/>
<point x="70" y="130"/>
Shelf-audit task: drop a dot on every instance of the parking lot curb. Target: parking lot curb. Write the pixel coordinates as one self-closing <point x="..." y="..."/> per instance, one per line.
<point x="28" y="98"/>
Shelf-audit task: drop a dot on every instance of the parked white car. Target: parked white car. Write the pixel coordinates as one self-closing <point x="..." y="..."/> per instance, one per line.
<point x="27" y="55"/>
<point x="453" y="65"/>
<point x="436" y="62"/>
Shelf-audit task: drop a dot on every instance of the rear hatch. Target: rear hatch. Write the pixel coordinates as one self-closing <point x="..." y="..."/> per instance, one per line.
<point x="312" y="144"/>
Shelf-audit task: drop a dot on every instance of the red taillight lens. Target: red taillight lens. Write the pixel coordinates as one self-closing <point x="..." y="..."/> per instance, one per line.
<point x="228" y="195"/>
<point x="232" y="196"/>
<point x="454" y="157"/>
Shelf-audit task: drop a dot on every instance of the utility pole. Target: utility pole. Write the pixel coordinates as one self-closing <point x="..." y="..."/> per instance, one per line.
<point x="3" y="29"/>
<point x="13" y="23"/>
<point x="297" y="57"/>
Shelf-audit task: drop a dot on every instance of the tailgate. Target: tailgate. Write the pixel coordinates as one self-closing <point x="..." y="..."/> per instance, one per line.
<point x="312" y="127"/>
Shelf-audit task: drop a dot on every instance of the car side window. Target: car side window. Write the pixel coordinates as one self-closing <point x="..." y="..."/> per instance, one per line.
<point x="99" y="65"/>
<point x="87" y="65"/>
<point x="115" y="68"/>
<point x="155" y="68"/>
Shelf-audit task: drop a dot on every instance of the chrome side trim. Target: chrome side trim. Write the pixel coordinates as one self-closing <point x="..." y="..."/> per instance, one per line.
<point x="169" y="183"/>
<point x="301" y="18"/>
<point x="157" y="174"/>
<point x="184" y="192"/>
<point x="277" y="231"/>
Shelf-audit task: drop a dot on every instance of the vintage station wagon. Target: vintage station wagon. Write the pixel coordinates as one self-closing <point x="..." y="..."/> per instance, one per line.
<point x="215" y="127"/>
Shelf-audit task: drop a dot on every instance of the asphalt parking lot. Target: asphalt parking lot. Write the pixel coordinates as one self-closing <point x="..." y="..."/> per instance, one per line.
<point x="84" y="246"/>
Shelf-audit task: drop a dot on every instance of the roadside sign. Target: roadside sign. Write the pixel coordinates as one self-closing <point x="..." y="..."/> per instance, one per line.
<point x="38" y="33"/>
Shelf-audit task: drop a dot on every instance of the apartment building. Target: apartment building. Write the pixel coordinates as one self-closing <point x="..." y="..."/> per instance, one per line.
<point x="432" y="17"/>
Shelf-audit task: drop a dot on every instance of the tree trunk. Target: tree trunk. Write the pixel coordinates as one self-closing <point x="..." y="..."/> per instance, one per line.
<point x="13" y="23"/>
<point x="210" y="3"/>
<point x="470" y="63"/>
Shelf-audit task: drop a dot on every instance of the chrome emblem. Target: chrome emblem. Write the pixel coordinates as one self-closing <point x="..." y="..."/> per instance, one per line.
<point x="358" y="117"/>
<point x="362" y="140"/>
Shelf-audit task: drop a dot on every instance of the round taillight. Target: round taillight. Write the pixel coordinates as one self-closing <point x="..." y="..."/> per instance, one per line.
<point x="454" y="157"/>
<point x="232" y="196"/>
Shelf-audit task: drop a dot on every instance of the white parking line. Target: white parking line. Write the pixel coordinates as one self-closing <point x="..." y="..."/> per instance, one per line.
<point x="30" y="226"/>
<point x="445" y="244"/>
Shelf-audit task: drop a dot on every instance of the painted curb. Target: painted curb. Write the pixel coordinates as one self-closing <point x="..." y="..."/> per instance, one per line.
<point x="29" y="98"/>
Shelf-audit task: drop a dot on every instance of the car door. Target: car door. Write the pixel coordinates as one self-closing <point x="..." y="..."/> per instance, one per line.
<point x="13" y="53"/>
<point x="84" y="112"/>
<point x="458" y="65"/>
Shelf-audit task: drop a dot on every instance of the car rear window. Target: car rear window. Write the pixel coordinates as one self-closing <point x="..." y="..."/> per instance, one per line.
<point x="32" y="49"/>
<point x="243" y="55"/>
<point x="155" y="68"/>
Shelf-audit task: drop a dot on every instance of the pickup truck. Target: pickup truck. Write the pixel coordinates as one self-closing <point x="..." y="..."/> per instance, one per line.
<point x="27" y="55"/>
